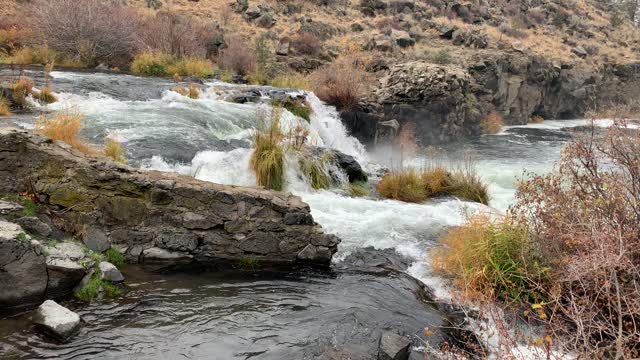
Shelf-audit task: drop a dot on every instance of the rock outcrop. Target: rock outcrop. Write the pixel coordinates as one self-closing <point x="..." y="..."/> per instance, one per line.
<point x="107" y="204"/>
<point x="23" y="269"/>
<point x="445" y="102"/>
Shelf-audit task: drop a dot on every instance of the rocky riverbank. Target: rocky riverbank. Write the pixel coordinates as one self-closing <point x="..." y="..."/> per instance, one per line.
<point x="148" y="216"/>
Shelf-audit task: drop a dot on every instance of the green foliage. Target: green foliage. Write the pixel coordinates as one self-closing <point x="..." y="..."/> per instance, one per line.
<point x="298" y="108"/>
<point x="441" y="57"/>
<point x="315" y="170"/>
<point x="30" y="207"/>
<point x="250" y="263"/>
<point x="266" y="63"/>
<point x="267" y="159"/>
<point x="358" y="189"/>
<point x="492" y="257"/>
<point x="115" y="257"/>
<point x="91" y="290"/>
<point x="21" y="237"/>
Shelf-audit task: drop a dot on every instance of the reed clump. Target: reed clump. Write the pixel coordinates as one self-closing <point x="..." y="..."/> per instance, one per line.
<point x="4" y="107"/>
<point x="267" y="159"/>
<point x="114" y="150"/>
<point x="492" y="123"/>
<point x="64" y="126"/>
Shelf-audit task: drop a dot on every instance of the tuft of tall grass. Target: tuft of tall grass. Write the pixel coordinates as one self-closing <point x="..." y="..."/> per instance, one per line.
<point x="4" y="107"/>
<point x="21" y="89"/>
<point x="157" y="63"/>
<point x="491" y="257"/>
<point x="191" y="66"/>
<point x="46" y="95"/>
<point x="298" y="108"/>
<point x="152" y="63"/>
<point x="358" y="189"/>
<point x="192" y="91"/>
<point x="267" y="159"/>
<point x="114" y="150"/>
<point x="64" y="126"/>
<point x="411" y="185"/>
<point x="405" y="185"/>
<point x="315" y="170"/>
<point x="492" y="123"/>
<point x="291" y="81"/>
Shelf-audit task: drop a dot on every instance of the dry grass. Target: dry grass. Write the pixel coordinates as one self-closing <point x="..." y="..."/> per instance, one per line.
<point x="192" y="91"/>
<point x="492" y="123"/>
<point x="267" y="159"/>
<point x="64" y="126"/>
<point x="404" y="185"/>
<point x="4" y="107"/>
<point x="21" y="89"/>
<point x="157" y="63"/>
<point x="489" y="258"/>
<point x="343" y="83"/>
<point x="114" y="150"/>
<point x="46" y="95"/>
<point x="536" y="119"/>
<point x="292" y="81"/>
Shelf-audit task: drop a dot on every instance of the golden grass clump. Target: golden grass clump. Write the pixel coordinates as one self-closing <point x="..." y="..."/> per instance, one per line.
<point x="315" y="170"/>
<point x="114" y="150"/>
<point x="21" y="89"/>
<point x="291" y="81"/>
<point x="160" y="64"/>
<point x="4" y="107"/>
<point x="358" y="189"/>
<point x="64" y="126"/>
<point x="405" y="185"/>
<point x="411" y="185"/>
<point x="488" y="257"/>
<point x="492" y="123"/>
<point x="536" y="119"/>
<point x="267" y="159"/>
<point x="192" y="91"/>
<point x="46" y="95"/>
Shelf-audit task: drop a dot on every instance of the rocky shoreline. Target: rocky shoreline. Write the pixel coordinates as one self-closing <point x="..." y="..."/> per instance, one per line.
<point x="148" y="216"/>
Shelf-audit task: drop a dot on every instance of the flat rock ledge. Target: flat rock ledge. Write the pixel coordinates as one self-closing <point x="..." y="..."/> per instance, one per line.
<point x="160" y="215"/>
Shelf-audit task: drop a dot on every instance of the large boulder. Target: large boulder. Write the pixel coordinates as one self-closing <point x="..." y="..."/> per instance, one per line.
<point x="138" y="210"/>
<point x="56" y="320"/>
<point x="402" y="38"/>
<point x="110" y="272"/>
<point x="65" y="267"/>
<point x="23" y="270"/>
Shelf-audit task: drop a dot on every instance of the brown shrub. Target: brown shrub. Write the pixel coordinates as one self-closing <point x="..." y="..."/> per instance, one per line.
<point x="586" y="218"/>
<point x="306" y="44"/>
<point x="237" y="57"/>
<point x="176" y="34"/>
<point x="342" y="83"/>
<point x="404" y="185"/>
<point x="90" y="30"/>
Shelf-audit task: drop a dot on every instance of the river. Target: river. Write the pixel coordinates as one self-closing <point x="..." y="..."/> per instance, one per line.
<point x="201" y="314"/>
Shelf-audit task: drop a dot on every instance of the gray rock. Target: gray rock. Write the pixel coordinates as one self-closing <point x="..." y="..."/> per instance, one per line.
<point x="402" y="38"/>
<point x="393" y="347"/>
<point x="154" y="4"/>
<point x="63" y="276"/>
<point x="7" y="207"/>
<point x="580" y="51"/>
<point x="518" y="46"/>
<point x="158" y="254"/>
<point x="283" y="48"/>
<point x="177" y="241"/>
<point x="110" y="272"/>
<point x="67" y="250"/>
<point x="253" y="12"/>
<point x="33" y="225"/>
<point x="97" y="240"/>
<point x="56" y="320"/>
<point x="266" y="21"/>
<point x="23" y="270"/>
<point x="383" y="44"/>
<point x="298" y="219"/>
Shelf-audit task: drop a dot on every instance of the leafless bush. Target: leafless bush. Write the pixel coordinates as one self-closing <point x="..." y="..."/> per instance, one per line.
<point x="92" y="31"/>
<point x="306" y="44"/>
<point x="173" y="33"/>
<point x="237" y="57"/>
<point x="586" y="219"/>
<point x="341" y="83"/>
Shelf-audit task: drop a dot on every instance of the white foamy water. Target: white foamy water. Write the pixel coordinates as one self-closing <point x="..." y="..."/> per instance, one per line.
<point x="167" y="131"/>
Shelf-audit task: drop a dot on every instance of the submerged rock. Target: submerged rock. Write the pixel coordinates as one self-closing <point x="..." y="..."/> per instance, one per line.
<point x="56" y="320"/>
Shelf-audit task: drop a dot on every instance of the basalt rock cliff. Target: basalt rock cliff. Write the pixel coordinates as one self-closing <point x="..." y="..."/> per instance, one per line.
<point x="153" y="216"/>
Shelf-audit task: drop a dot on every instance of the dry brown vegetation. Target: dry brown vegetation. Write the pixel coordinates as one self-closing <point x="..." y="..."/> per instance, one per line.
<point x="64" y="126"/>
<point x="568" y="250"/>
<point x="343" y="83"/>
<point x="492" y="123"/>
